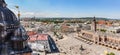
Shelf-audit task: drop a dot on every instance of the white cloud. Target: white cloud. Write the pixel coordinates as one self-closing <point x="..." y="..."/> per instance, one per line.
<point x="55" y="14"/>
<point x="37" y="14"/>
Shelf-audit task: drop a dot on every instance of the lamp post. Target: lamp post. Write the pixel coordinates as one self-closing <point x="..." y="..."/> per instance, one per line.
<point x="17" y="7"/>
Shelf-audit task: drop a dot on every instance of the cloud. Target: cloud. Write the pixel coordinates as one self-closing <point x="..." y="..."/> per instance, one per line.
<point x="55" y="14"/>
<point x="28" y="14"/>
<point x="39" y="14"/>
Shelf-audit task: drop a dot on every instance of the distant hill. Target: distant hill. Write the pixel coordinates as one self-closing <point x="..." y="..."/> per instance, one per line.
<point x="64" y="18"/>
<point x="98" y="18"/>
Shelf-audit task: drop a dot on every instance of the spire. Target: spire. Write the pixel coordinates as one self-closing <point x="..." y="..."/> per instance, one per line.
<point x="94" y="19"/>
<point x="95" y="25"/>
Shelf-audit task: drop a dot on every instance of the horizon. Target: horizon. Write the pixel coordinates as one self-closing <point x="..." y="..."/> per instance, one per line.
<point x="74" y="17"/>
<point x="66" y="8"/>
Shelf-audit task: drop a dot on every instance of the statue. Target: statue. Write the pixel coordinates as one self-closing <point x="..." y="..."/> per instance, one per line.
<point x="81" y="48"/>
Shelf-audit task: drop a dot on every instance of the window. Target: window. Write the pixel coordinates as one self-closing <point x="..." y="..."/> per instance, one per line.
<point x="18" y="45"/>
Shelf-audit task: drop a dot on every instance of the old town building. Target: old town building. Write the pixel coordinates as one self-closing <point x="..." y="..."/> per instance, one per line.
<point x="111" y="40"/>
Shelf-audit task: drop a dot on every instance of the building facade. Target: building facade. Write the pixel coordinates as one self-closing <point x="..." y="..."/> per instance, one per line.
<point x="40" y="42"/>
<point x="102" y="38"/>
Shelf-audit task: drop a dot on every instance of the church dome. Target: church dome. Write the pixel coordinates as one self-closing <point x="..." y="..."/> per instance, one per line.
<point x="7" y="17"/>
<point x="13" y="37"/>
<point x="19" y="35"/>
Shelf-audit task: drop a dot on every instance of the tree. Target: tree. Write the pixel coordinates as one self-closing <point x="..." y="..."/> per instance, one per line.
<point x="112" y="53"/>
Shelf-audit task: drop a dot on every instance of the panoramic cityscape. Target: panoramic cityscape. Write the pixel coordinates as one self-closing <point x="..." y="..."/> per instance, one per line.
<point x="59" y="27"/>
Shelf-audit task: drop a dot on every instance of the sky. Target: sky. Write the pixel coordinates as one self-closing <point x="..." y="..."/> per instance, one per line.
<point x="67" y="8"/>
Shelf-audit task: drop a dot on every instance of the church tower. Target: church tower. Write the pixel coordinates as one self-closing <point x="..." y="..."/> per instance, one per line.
<point x="94" y="24"/>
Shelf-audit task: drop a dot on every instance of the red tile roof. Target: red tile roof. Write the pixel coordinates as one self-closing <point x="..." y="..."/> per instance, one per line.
<point x="42" y="37"/>
<point x="32" y="39"/>
<point x="38" y="37"/>
<point x="30" y="33"/>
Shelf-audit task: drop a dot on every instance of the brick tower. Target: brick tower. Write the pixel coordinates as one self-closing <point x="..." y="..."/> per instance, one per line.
<point x="94" y="24"/>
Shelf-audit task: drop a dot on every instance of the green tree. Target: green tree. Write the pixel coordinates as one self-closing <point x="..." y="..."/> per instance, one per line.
<point x="112" y="53"/>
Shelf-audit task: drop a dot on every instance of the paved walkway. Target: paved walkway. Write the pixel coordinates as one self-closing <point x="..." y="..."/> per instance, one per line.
<point x="71" y="43"/>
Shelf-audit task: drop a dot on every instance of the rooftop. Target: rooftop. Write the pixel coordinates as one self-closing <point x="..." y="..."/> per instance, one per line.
<point x="38" y="37"/>
<point x="42" y="37"/>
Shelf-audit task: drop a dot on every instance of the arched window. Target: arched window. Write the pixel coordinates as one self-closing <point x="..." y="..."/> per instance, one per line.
<point x="17" y="45"/>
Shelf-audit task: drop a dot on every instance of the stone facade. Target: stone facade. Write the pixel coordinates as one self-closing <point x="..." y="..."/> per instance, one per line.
<point x="104" y="39"/>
